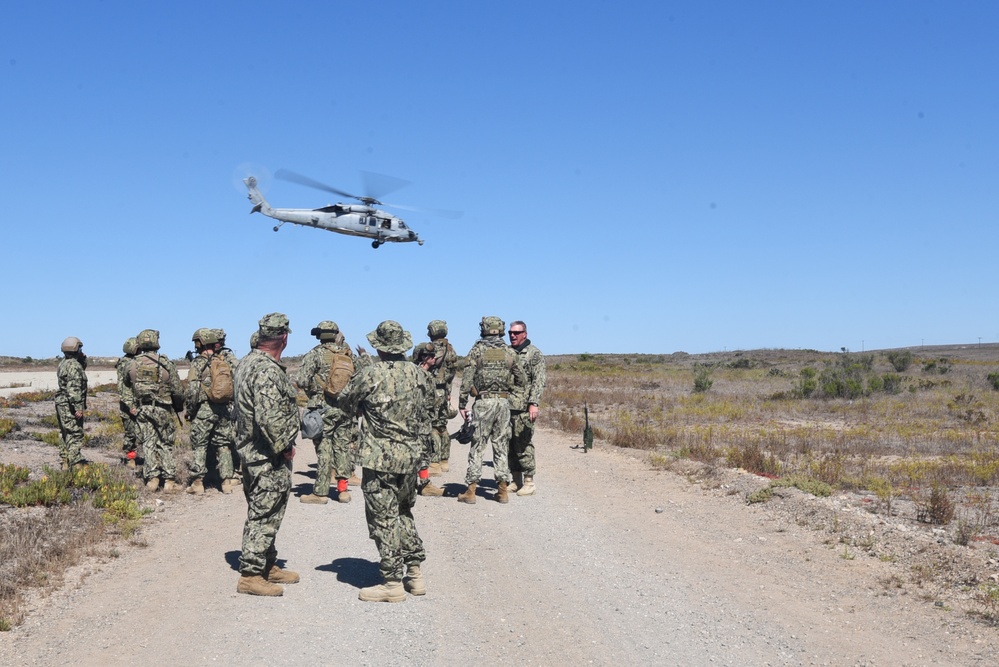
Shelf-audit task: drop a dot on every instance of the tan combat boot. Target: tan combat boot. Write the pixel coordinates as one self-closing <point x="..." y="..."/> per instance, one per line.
<point x="414" y="582"/>
<point x="528" y="488"/>
<point x="153" y="483"/>
<point x="518" y="481"/>
<point x="354" y="480"/>
<point x="227" y="486"/>
<point x="501" y="493"/>
<point x="170" y="486"/>
<point x="429" y="489"/>
<point x="130" y="462"/>
<point x="444" y="466"/>
<point x="197" y="487"/>
<point x="254" y="584"/>
<point x="435" y="470"/>
<point x="468" y="496"/>
<point x="390" y="591"/>
<point x="313" y="499"/>
<point x="343" y="497"/>
<point x="276" y="575"/>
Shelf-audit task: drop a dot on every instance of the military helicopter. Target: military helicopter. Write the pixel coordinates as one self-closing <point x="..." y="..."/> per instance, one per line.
<point x="361" y="219"/>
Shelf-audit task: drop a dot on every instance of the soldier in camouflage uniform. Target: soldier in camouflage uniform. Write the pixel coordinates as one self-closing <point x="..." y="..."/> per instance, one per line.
<point x="210" y="422"/>
<point x="233" y="360"/>
<point x="393" y="398"/>
<point x="492" y="374"/>
<point x="333" y="445"/>
<point x="424" y="357"/>
<point x="129" y="440"/>
<point x="155" y="397"/>
<point x="444" y="370"/>
<point x="267" y="423"/>
<point x="524" y="410"/>
<point x="71" y="401"/>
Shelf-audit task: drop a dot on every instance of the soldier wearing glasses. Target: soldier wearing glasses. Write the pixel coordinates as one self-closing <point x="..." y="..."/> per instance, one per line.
<point x="524" y="410"/>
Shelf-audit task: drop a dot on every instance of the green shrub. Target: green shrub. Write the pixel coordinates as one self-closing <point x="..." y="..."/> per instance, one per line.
<point x="993" y="379"/>
<point x="702" y="380"/>
<point x="900" y="360"/>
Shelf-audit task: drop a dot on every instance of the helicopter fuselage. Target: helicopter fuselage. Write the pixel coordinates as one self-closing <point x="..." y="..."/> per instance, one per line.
<point x="349" y="219"/>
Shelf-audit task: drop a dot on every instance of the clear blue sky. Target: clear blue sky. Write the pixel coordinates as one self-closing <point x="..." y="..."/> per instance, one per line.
<point x="634" y="176"/>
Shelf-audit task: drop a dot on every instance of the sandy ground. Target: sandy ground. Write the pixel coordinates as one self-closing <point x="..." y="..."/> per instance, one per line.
<point x="611" y="563"/>
<point x="16" y="382"/>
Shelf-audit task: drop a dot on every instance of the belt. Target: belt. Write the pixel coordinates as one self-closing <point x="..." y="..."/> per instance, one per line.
<point x="493" y="394"/>
<point x="149" y="401"/>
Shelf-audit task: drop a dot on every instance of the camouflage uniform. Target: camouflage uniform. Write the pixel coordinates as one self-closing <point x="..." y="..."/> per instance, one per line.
<point x="492" y="374"/>
<point x="522" y="428"/>
<point x="333" y="446"/>
<point x="129" y="440"/>
<point x="267" y="422"/>
<point x="155" y="409"/>
<point x="210" y="422"/>
<point x="70" y="400"/>
<point x="443" y="372"/>
<point x="233" y="361"/>
<point x="393" y="397"/>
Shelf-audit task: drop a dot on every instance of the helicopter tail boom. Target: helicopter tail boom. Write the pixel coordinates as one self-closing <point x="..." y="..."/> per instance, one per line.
<point x="260" y="204"/>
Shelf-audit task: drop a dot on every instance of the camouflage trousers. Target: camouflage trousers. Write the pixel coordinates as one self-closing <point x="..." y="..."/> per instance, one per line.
<point x="491" y="418"/>
<point x="266" y="485"/>
<point x="71" y="432"/>
<point x="156" y="427"/>
<point x="341" y="432"/>
<point x="212" y="428"/>
<point x="439" y="440"/>
<point x="129" y="441"/>
<point x="388" y="507"/>
<point x="521" y="447"/>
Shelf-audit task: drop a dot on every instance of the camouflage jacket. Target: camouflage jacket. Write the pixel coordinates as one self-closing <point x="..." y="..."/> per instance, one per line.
<point x="394" y="400"/>
<point x="125" y="396"/>
<point x="533" y="363"/>
<point x="447" y="363"/>
<point x="492" y="367"/>
<point x="72" y="391"/>
<point x="170" y="392"/>
<point x="315" y="369"/>
<point x="267" y="419"/>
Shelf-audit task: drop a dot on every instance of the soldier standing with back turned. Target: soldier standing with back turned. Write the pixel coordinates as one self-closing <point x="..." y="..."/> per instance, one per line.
<point x="393" y="397"/>
<point x="71" y="401"/>
<point x="208" y="410"/>
<point x="129" y="439"/>
<point x="445" y="367"/>
<point x="491" y="375"/>
<point x="157" y="398"/>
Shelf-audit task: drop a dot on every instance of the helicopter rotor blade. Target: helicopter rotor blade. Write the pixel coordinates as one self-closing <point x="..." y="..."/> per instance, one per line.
<point x="438" y="212"/>
<point x="378" y="185"/>
<point x="294" y="177"/>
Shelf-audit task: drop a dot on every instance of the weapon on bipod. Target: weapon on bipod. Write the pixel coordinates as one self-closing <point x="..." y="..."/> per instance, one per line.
<point x="587" y="431"/>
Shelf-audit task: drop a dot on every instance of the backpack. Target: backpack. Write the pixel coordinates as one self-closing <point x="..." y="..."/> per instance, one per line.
<point x="341" y="370"/>
<point x="147" y="375"/>
<point x="220" y="372"/>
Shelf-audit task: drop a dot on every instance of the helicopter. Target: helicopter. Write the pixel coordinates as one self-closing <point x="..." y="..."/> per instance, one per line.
<point x="361" y="219"/>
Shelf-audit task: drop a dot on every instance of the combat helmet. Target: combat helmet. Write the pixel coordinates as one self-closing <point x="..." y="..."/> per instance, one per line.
<point x="492" y="326"/>
<point x="437" y="329"/>
<point x="326" y="330"/>
<point x="206" y="336"/>
<point x="148" y="339"/>
<point x="72" y="344"/>
<point x="130" y="347"/>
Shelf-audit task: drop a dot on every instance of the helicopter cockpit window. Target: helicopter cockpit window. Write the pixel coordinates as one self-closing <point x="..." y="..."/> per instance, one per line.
<point x="386" y="224"/>
<point x="402" y="225"/>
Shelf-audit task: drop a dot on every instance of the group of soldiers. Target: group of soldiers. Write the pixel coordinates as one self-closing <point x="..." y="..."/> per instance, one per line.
<point x="387" y="414"/>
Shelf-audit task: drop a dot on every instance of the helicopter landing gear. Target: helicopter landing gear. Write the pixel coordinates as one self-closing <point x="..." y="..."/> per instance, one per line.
<point x="275" y="228"/>
<point x="278" y="225"/>
<point x="375" y="244"/>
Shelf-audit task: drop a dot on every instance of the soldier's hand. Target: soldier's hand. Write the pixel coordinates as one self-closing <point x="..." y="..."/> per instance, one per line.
<point x="78" y="414"/>
<point x="289" y="453"/>
<point x="464" y="414"/>
<point x="532" y="412"/>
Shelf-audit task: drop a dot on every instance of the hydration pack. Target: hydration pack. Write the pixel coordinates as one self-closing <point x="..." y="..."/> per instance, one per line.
<point x="220" y="372"/>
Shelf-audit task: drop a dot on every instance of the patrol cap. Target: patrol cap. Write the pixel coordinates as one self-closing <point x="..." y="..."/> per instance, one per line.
<point x="492" y="326"/>
<point x="254" y="339"/>
<point x="273" y="325"/>
<point x="390" y="337"/>
<point x="71" y="344"/>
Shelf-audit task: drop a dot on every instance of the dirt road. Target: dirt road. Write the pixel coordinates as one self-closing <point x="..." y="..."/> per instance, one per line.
<point x="611" y="563"/>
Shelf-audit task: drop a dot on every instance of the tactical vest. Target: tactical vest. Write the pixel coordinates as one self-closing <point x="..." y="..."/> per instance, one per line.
<point x="148" y="376"/>
<point x="493" y="370"/>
